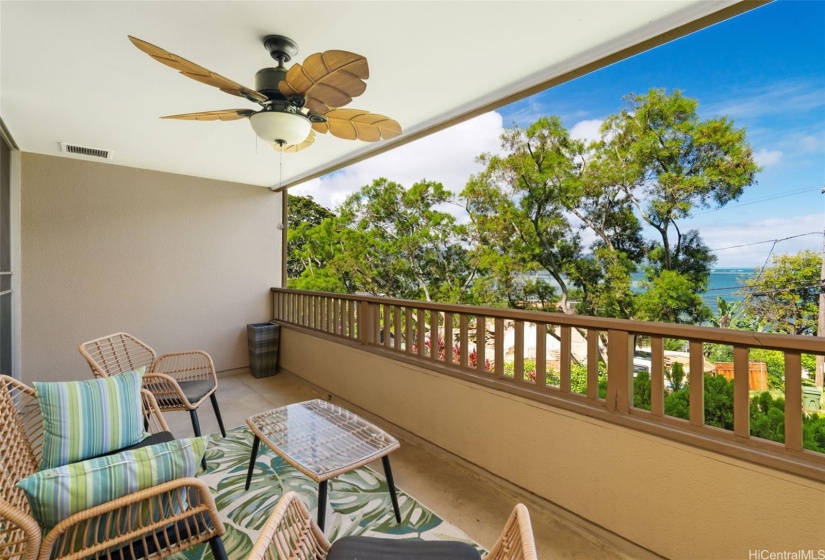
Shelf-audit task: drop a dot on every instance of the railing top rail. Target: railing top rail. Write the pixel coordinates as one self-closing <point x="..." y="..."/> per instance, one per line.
<point x="807" y="344"/>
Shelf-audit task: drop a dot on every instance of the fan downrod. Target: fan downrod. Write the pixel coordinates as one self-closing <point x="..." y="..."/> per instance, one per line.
<point x="280" y="48"/>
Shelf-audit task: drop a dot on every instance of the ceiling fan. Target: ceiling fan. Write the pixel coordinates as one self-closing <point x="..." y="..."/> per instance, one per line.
<point x="297" y="102"/>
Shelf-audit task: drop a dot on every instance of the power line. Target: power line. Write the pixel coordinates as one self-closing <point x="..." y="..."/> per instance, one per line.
<point x="774" y="241"/>
<point x="767" y="198"/>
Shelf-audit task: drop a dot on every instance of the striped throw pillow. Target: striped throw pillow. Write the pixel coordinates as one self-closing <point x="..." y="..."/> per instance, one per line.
<point x="55" y="494"/>
<point x="83" y="419"/>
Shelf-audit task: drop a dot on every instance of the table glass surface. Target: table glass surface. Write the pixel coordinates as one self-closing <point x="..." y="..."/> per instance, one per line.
<point x="321" y="436"/>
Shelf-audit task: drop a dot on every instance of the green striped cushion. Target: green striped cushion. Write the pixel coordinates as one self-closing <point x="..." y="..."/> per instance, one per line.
<point x="55" y="494"/>
<point x="83" y="419"/>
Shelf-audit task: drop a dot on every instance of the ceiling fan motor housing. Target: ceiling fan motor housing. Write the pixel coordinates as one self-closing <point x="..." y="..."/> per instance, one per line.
<point x="267" y="80"/>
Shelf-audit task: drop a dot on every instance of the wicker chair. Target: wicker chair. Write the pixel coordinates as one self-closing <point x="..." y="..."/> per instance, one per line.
<point x="291" y="532"/>
<point x="179" y="380"/>
<point x="21" y="438"/>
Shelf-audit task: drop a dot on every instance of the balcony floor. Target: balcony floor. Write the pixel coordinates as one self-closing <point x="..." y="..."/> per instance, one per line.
<point x="472" y="501"/>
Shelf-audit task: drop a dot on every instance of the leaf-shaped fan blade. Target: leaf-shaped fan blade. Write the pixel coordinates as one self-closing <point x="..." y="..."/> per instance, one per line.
<point x="328" y="79"/>
<point x="196" y="72"/>
<point x="224" y="115"/>
<point x="354" y="124"/>
<point x="292" y="148"/>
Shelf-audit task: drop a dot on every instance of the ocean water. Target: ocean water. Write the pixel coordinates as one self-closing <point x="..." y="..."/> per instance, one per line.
<point x="726" y="282"/>
<point x="723" y="282"/>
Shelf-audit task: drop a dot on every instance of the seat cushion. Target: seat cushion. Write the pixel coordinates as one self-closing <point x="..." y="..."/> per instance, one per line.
<point x="370" y="548"/>
<point x="196" y="390"/>
<point x="55" y="494"/>
<point x="83" y="419"/>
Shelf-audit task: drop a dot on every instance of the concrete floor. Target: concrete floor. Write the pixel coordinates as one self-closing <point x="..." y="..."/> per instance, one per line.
<point x="473" y="500"/>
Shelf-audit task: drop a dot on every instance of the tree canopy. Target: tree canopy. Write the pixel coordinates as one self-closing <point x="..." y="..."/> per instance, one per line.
<point x="784" y="296"/>
<point x="552" y="220"/>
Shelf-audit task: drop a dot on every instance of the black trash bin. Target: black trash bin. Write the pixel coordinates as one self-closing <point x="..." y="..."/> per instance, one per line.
<point x="263" y="339"/>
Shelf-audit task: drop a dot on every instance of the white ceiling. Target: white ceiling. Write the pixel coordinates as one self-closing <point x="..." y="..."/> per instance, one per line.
<point x="68" y="73"/>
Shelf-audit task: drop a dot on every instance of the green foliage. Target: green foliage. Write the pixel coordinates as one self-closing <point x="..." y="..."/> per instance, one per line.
<point x="671" y="297"/>
<point x="784" y="296"/>
<point x="775" y="363"/>
<point x="393" y="241"/>
<point x="641" y="390"/>
<point x="303" y="213"/>
<point x="675" y="376"/>
<point x="517" y="207"/>
<point x="656" y="162"/>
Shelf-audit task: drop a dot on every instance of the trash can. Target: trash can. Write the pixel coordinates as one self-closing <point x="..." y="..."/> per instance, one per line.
<point x="263" y="341"/>
<point x="811" y="398"/>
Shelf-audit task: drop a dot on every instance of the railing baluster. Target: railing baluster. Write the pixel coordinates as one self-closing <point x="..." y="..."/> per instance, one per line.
<point x="498" y="366"/>
<point x="565" y="350"/>
<point x="697" y="383"/>
<point x="376" y="324"/>
<point x="464" y="342"/>
<point x="518" y="351"/>
<point x="396" y="326"/>
<point x="363" y="322"/>
<point x="434" y="336"/>
<point x="657" y="372"/>
<point x="408" y="331"/>
<point x="620" y="346"/>
<point x="592" y="364"/>
<point x="793" y="401"/>
<point x="448" y="337"/>
<point x="741" y="406"/>
<point x="420" y="329"/>
<point x="481" y="343"/>
<point x="541" y="354"/>
<point x="387" y="330"/>
<point x="351" y="319"/>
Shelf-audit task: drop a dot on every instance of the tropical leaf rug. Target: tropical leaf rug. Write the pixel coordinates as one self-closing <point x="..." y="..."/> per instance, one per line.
<point x="359" y="500"/>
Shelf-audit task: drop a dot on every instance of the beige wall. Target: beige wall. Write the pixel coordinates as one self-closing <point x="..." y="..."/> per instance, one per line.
<point x="179" y="262"/>
<point x="676" y="500"/>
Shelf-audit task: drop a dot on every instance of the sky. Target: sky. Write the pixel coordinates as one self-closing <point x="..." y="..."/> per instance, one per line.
<point x="765" y="69"/>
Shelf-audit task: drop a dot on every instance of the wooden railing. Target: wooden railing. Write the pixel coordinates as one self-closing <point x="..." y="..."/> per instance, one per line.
<point x="588" y="353"/>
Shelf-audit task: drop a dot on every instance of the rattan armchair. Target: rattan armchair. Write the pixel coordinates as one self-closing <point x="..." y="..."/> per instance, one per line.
<point x="291" y="532"/>
<point x="21" y="436"/>
<point x="178" y="380"/>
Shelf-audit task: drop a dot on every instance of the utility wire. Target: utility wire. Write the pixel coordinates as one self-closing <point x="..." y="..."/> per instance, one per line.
<point x="774" y="241"/>
<point x="766" y="198"/>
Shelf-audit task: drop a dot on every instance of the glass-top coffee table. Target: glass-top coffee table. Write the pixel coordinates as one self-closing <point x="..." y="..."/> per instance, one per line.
<point x="322" y="441"/>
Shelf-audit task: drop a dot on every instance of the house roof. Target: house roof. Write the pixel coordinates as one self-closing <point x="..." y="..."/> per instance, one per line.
<point x="68" y="73"/>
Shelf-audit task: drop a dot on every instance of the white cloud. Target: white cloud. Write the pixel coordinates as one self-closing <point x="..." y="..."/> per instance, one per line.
<point x="811" y="143"/>
<point x="722" y="235"/>
<point x="447" y="156"/>
<point x="586" y="130"/>
<point x="766" y="158"/>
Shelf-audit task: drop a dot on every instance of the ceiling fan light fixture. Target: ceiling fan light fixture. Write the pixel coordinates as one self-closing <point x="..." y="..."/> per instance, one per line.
<point x="278" y="127"/>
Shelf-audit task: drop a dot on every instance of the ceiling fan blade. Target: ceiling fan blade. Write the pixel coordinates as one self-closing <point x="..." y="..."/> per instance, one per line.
<point x="196" y="72"/>
<point x="355" y="124"/>
<point x="223" y="115"/>
<point x="292" y="148"/>
<point x="328" y="79"/>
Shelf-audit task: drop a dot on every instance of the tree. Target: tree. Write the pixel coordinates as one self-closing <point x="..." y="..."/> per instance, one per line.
<point x="303" y="213"/>
<point x="516" y="205"/>
<point x="784" y="296"/>
<point x="392" y="241"/>
<point x="669" y="162"/>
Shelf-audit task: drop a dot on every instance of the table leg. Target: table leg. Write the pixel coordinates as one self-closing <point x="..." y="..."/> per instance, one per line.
<point x="388" y="473"/>
<point x="322" y="503"/>
<point x="254" y="455"/>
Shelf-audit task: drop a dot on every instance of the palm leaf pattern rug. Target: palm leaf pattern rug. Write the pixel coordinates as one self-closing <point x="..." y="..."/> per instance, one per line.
<point x="360" y="500"/>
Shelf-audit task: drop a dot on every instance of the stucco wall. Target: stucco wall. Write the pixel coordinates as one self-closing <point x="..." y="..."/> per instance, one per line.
<point x="676" y="500"/>
<point x="179" y="262"/>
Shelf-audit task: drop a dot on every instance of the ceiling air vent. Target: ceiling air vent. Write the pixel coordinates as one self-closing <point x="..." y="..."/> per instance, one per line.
<point x="85" y="151"/>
